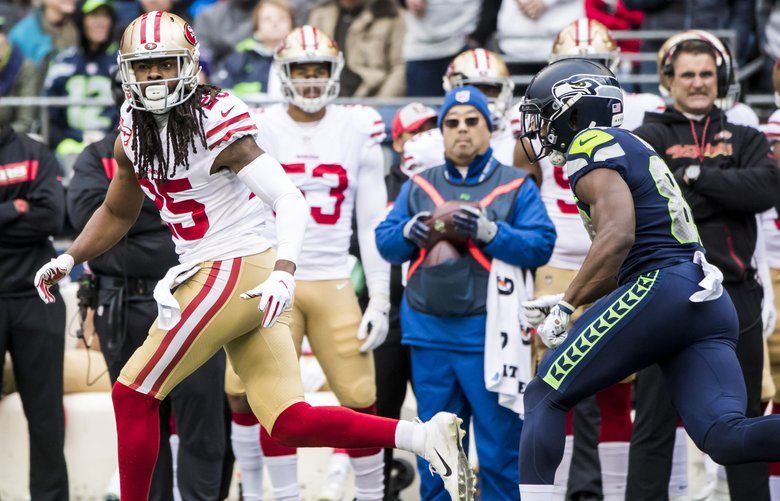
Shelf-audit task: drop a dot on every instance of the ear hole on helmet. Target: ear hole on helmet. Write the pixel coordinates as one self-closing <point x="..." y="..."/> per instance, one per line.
<point x="573" y="119"/>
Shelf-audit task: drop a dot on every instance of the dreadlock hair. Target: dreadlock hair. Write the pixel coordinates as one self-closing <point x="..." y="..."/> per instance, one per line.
<point x="185" y="129"/>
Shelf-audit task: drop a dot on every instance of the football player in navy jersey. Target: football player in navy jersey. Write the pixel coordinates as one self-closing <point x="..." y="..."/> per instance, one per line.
<point x="661" y="301"/>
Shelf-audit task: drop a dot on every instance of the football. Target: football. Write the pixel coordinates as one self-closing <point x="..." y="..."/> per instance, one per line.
<point x="439" y="253"/>
<point x="442" y="224"/>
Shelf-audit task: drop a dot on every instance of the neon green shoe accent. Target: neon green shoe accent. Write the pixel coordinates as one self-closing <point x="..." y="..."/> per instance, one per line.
<point x="598" y="328"/>
<point x="586" y="141"/>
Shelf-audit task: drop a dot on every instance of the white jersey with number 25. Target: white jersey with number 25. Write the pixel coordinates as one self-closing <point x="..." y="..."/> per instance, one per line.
<point x="211" y="216"/>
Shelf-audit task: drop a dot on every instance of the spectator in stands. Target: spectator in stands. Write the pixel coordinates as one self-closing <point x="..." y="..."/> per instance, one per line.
<point x="443" y="310"/>
<point x="123" y="285"/>
<point x="18" y="78"/>
<point x="32" y="209"/>
<point x="727" y="175"/>
<point x="436" y="31"/>
<point x="250" y="71"/>
<point x="371" y="33"/>
<point x="83" y="72"/>
<point x="221" y="27"/>
<point x="46" y="29"/>
<point x="527" y="28"/>
<point x="13" y="11"/>
<point x="302" y="9"/>
<point x="615" y="16"/>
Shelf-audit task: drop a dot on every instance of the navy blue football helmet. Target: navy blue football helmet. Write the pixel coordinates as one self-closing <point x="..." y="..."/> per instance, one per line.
<point x="564" y="98"/>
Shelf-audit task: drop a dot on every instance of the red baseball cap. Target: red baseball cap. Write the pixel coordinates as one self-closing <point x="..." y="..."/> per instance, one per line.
<point x="410" y="118"/>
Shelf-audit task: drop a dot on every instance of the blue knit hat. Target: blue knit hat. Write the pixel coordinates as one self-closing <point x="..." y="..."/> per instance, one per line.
<point x="468" y="95"/>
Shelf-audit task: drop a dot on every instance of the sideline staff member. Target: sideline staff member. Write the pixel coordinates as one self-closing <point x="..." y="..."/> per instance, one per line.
<point x="727" y="175"/>
<point x="32" y="208"/>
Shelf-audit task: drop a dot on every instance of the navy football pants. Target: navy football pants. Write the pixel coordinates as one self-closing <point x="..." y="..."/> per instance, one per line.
<point x="650" y="320"/>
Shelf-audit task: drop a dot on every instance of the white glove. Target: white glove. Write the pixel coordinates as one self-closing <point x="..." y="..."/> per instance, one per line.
<point x="51" y="273"/>
<point x="375" y="323"/>
<point x="536" y="310"/>
<point x="769" y="317"/>
<point x="276" y="294"/>
<point x="553" y="330"/>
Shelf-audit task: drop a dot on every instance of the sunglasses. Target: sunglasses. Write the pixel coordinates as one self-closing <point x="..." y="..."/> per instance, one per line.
<point x="453" y="123"/>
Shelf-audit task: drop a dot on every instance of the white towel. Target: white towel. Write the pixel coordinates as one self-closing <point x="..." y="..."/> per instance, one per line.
<point x="712" y="283"/>
<point x="508" y="335"/>
<point x="168" y="310"/>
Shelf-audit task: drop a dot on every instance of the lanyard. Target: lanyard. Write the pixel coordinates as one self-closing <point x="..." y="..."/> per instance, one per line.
<point x="700" y="146"/>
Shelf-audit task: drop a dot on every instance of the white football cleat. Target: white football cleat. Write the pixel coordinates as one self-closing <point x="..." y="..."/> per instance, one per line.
<point x="444" y="452"/>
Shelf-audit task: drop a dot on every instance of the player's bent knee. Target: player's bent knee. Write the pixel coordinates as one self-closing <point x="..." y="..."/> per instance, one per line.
<point x="724" y="442"/>
<point x="292" y="427"/>
<point x="358" y="395"/>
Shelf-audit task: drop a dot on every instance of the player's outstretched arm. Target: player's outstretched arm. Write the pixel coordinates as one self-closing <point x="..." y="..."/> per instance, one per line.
<point x="612" y="217"/>
<point x="110" y="222"/>
<point x="262" y="174"/>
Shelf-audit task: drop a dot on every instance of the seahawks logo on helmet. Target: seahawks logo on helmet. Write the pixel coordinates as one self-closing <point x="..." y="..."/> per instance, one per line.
<point x="585" y="85"/>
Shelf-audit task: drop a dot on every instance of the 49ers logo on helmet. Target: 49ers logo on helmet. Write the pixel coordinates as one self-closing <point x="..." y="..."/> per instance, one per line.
<point x="189" y="34"/>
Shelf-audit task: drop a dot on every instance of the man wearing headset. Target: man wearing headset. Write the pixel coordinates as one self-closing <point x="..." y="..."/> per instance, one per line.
<point x="727" y="176"/>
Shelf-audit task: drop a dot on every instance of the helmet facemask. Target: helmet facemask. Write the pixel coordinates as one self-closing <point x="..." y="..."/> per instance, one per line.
<point x="156" y="96"/>
<point x="294" y="89"/>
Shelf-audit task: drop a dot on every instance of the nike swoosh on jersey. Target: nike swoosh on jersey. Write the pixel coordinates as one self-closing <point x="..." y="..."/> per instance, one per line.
<point x="226" y="113"/>
<point x="448" y="471"/>
<point x="341" y="286"/>
<point x="582" y="143"/>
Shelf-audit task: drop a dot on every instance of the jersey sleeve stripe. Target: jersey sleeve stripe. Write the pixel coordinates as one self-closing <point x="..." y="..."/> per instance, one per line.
<point x="233" y="132"/>
<point x="227" y="123"/>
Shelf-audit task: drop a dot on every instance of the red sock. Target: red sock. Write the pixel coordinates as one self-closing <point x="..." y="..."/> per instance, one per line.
<point x="301" y="425"/>
<point x="272" y="447"/>
<point x="138" y="440"/>
<point x="244" y="418"/>
<point x="774" y="468"/>
<point x="361" y="453"/>
<point x="615" y="405"/>
<point x="570" y="422"/>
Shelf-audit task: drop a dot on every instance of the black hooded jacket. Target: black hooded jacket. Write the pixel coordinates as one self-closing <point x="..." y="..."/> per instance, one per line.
<point x="147" y="252"/>
<point x="28" y="171"/>
<point x="739" y="179"/>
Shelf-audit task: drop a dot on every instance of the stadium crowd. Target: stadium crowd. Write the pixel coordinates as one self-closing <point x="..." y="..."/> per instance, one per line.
<point x="406" y="318"/>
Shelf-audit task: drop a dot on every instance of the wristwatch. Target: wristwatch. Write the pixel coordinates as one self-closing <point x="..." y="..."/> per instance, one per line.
<point x="692" y="173"/>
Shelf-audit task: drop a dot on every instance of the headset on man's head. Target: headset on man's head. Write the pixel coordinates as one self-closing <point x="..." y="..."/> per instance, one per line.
<point x="724" y="62"/>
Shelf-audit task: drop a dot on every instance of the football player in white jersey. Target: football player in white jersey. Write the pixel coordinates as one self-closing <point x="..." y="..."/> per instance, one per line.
<point x="587" y="38"/>
<point x="192" y="150"/>
<point x="770" y="226"/>
<point x="333" y="155"/>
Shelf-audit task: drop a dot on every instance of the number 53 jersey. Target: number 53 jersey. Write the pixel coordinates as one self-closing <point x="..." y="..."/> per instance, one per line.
<point x="324" y="160"/>
<point x="665" y="233"/>
<point x="211" y="216"/>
